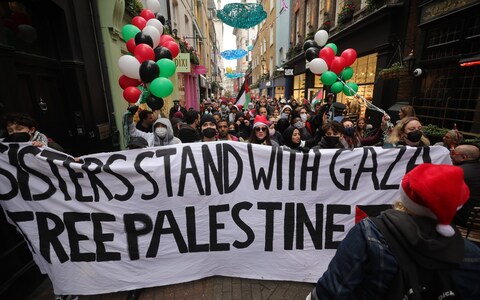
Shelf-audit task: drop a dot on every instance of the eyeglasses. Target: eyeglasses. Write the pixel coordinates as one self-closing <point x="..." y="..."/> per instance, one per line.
<point x="261" y="128"/>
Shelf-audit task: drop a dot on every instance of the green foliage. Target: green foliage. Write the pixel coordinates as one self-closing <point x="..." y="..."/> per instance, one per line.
<point x="135" y="7"/>
<point x="474" y="141"/>
<point x="397" y="68"/>
<point x="434" y="130"/>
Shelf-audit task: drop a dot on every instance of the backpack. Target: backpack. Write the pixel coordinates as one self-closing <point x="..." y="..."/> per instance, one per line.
<point x="413" y="282"/>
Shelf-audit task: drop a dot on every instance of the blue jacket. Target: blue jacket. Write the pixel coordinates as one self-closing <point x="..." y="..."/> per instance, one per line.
<point x="364" y="266"/>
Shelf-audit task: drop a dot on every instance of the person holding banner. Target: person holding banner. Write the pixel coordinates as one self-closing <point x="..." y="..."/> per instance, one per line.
<point x="408" y="132"/>
<point x="161" y="135"/>
<point x="208" y="128"/>
<point x="373" y="260"/>
<point x="260" y="134"/>
<point x="333" y="138"/>
<point x="292" y="140"/>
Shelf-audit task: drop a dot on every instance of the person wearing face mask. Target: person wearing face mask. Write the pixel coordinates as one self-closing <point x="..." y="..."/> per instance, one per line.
<point x="286" y="112"/>
<point x="208" y="128"/>
<point x="161" y="135"/>
<point x="23" y="128"/>
<point x="332" y="138"/>
<point x="349" y="135"/>
<point x="407" y="132"/>
<point x="272" y="130"/>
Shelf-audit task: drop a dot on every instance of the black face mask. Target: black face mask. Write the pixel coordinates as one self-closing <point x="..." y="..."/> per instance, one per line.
<point x="331" y="140"/>
<point x="350" y="131"/>
<point x="232" y="132"/>
<point x="209" y="132"/>
<point x="17" y="137"/>
<point x="414" y="136"/>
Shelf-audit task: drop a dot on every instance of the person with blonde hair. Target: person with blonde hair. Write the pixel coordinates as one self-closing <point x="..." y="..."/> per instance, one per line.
<point x="380" y="256"/>
<point x="408" y="132"/>
<point x="406" y="111"/>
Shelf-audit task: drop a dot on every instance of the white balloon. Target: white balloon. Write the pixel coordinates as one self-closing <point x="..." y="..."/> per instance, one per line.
<point x="153" y="33"/>
<point x="321" y="37"/>
<point x="129" y="66"/>
<point x="27" y="33"/>
<point x="157" y="24"/>
<point x="153" y="5"/>
<point x="318" y="66"/>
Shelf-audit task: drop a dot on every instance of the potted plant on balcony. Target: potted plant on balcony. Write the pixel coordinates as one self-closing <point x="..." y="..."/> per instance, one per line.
<point x="396" y="70"/>
<point x="346" y="14"/>
<point x="133" y="7"/>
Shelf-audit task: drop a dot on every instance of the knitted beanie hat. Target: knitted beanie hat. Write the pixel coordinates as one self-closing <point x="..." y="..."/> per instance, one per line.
<point x="435" y="191"/>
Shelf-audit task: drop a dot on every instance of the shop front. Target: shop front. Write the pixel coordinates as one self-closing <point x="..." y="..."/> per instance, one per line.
<point x="187" y="81"/>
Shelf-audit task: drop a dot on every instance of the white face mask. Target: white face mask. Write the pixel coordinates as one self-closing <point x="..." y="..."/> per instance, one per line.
<point x="161" y="132"/>
<point x="303" y="117"/>
<point x="271" y="131"/>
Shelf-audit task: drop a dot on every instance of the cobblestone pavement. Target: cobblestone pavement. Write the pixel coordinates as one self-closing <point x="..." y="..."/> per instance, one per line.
<point x="221" y="288"/>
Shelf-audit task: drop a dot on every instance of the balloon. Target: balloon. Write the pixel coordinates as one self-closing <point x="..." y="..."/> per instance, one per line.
<point x="167" y="67"/>
<point x="229" y="70"/>
<point x="147" y="14"/>
<point x="318" y="66"/>
<point x="157" y="24"/>
<point x="350" y="55"/>
<point x="162" y="52"/>
<point x="166" y="38"/>
<point x="328" y="78"/>
<point x="131" y="94"/>
<point x="139" y="22"/>
<point x="131" y="45"/>
<point x="327" y="54"/>
<point x="173" y="47"/>
<point x="129" y="31"/>
<point x="149" y="70"/>
<point x="153" y="5"/>
<point x="144" y="52"/>
<point x="333" y="46"/>
<point x="321" y="37"/>
<point x="309" y="44"/>
<point x="155" y="103"/>
<point x="21" y="18"/>
<point x="337" y="87"/>
<point x="142" y="38"/>
<point x="337" y="65"/>
<point x="125" y="81"/>
<point x="161" y="87"/>
<point x="311" y="53"/>
<point x="250" y="47"/>
<point x="346" y="74"/>
<point x="153" y="33"/>
<point x="27" y="33"/>
<point x="349" y="92"/>
<point x="161" y="18"/>
<point x="129" y="66"/>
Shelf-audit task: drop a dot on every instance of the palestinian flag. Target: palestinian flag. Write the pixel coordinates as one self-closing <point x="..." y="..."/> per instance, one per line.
<point x="363" y="211"/>
<point x="243" y="97"/>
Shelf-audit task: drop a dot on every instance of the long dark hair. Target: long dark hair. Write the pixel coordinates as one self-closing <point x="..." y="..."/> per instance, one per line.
<point x="254" y="140"/>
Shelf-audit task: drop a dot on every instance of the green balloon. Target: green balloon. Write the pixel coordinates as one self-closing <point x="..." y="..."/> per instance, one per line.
<point x="347" y="73"/>
<point x="337" y="87"/>
<point x="328" y="78"/>
<point x="167" y="67"/>
<point x="353" y="87"/>
<point x="333" y="46"/>
<point x="161" y="87"/>
<point x="129" y="31"/>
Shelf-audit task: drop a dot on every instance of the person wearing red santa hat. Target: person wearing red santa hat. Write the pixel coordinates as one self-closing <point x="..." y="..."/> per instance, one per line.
<point x="260" y="133"/>
<point x="377" y="253"/>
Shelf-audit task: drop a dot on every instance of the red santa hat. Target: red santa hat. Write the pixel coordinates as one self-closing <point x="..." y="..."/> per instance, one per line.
<point x="260" y="120"/>
<point x="435" y="191"/>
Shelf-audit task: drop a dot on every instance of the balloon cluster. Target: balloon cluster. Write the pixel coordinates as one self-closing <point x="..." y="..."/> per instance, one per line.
<point x="149" y="65"/>
<point x="20" y="23"/>
<point x="334" y="70"/>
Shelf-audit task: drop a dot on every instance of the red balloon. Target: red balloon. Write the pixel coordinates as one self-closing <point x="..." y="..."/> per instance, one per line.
<point x="173" y="47"/>
<point x="147" y="14"/>
<point x="131" y="94"/>
<point x="131" y="45"/>
<point x="139" y="22"/>
<point x="327" y="54"/>
<point x="338" y="64"/>
<point x="165" y="38"/>
<point x="350" y="56"/>
<point x="125" y="82"/>
<point x="144" y="52"/>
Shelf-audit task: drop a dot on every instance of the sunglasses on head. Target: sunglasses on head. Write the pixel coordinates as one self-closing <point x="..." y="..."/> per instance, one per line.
<point x="261" y="128"/>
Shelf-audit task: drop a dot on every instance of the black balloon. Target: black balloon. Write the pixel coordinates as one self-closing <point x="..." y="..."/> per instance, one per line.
<point x="306" y="45"/>
<point x="149" y="70"/>
<point x="160" y="18"/>
<point x="132" y="109"/>
<point x="162" y="52"/>
<point x="142" y="38"/>
<point x="154" y="103"/>
<point x="311" y="53"/>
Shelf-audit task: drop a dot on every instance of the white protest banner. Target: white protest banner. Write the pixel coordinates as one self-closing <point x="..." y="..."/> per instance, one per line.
<point x="157" y="216"/>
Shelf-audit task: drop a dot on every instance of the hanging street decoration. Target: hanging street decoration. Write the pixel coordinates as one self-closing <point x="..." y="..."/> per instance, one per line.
<point x="242" y="15"/>
<point x="233" y="54"/>
<point x="234" y="75"/>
